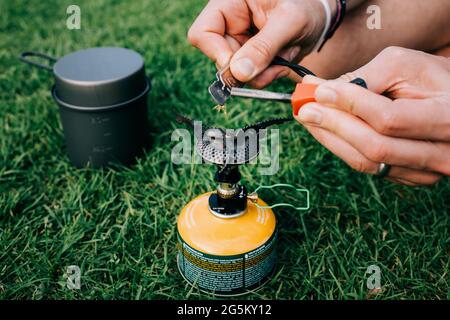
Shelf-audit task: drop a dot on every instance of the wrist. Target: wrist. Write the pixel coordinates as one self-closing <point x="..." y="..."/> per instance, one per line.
<point x="322" y="16"/>
<point x="333" y="6"/>
<point x="327" y="22"/>
<point x="336" y="19"/>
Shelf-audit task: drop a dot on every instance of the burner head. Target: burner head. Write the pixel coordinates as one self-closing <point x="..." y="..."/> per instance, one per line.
<point x="229" y="147"/>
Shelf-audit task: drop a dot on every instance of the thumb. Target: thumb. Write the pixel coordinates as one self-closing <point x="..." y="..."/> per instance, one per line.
<point x="390" y="67"/>
<point x="258" y="52"/>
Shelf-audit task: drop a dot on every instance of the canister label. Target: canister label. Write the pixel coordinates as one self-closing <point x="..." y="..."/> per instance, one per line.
<point x="227" y="275"/>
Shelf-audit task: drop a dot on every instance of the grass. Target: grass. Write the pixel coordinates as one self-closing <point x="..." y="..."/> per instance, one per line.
<point x="118" y="224"/>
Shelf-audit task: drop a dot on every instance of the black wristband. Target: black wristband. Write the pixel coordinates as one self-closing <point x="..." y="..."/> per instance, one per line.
<point x="337" y="20"/>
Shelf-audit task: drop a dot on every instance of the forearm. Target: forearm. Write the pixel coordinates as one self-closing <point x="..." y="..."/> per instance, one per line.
<point x="416" y="24"/>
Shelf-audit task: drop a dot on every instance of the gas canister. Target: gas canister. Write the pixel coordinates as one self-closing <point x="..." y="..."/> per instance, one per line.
<point x="226" y="255"/>
<point x="227" y="238"/>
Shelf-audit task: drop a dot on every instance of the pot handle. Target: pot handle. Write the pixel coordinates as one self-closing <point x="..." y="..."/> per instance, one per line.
<point x="49" y="67"/>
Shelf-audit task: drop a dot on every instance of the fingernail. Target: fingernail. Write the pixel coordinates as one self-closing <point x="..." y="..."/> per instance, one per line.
<point x="310" y="79"/>
<point x="243" y="68"/>
<point x="294" y="52"/>
<point x="325" y="94"/>
<point x="310" y="115"/>
<point x="283" y="73"/>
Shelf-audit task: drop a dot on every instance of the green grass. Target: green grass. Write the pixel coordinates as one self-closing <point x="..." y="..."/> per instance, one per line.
<point x="118" y="224"/>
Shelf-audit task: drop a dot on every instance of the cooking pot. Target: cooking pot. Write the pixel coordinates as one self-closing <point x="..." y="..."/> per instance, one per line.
<point x="102" y="97"/>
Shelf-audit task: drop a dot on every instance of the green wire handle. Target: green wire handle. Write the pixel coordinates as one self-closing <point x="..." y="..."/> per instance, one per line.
<point x="284" y="204"/>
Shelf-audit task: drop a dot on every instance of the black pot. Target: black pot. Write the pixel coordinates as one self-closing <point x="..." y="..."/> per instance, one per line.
<point x="102" y="95"/>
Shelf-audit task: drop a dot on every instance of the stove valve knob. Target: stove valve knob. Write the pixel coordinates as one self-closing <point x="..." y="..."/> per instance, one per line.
<point x="253" y="197"/>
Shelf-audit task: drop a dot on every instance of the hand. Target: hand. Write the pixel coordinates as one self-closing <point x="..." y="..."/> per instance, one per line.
<point x="251" y="33"/>
<point x="407" y="127"/>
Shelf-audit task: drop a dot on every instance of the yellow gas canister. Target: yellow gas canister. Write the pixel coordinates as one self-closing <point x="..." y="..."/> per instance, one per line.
<point x="226" y="255"/>
<point x="227" y="238"/>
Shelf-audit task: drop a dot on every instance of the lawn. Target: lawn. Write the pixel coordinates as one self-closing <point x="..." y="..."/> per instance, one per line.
<point x="119" y="224"/>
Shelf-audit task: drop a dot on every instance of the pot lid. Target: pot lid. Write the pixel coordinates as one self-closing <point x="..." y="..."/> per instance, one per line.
<point x="98" y="77"/>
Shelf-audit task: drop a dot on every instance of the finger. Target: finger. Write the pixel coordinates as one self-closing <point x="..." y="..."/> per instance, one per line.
<point x="343" y="150"/>
<point x="274" y="72"/>
<point x="407" y="182"/>
<point x="407" y="118"/>
<point x="257" y="53"/>
<point x="360" y="163"/>
<point x="401" y="181"/>
<point x="268" y="76"/>
<point x="293" y="54"/>
<point x="233" y="43"/>
<point x="390" y="66"/>
<point x="378" y="148"/>
<point x="313" y="80"/>
<point x="417" y="177"/>
<point x="208" y="31"/>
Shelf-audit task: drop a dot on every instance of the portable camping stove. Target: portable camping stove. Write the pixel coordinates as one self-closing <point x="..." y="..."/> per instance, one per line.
<point x="227" y="237"/>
